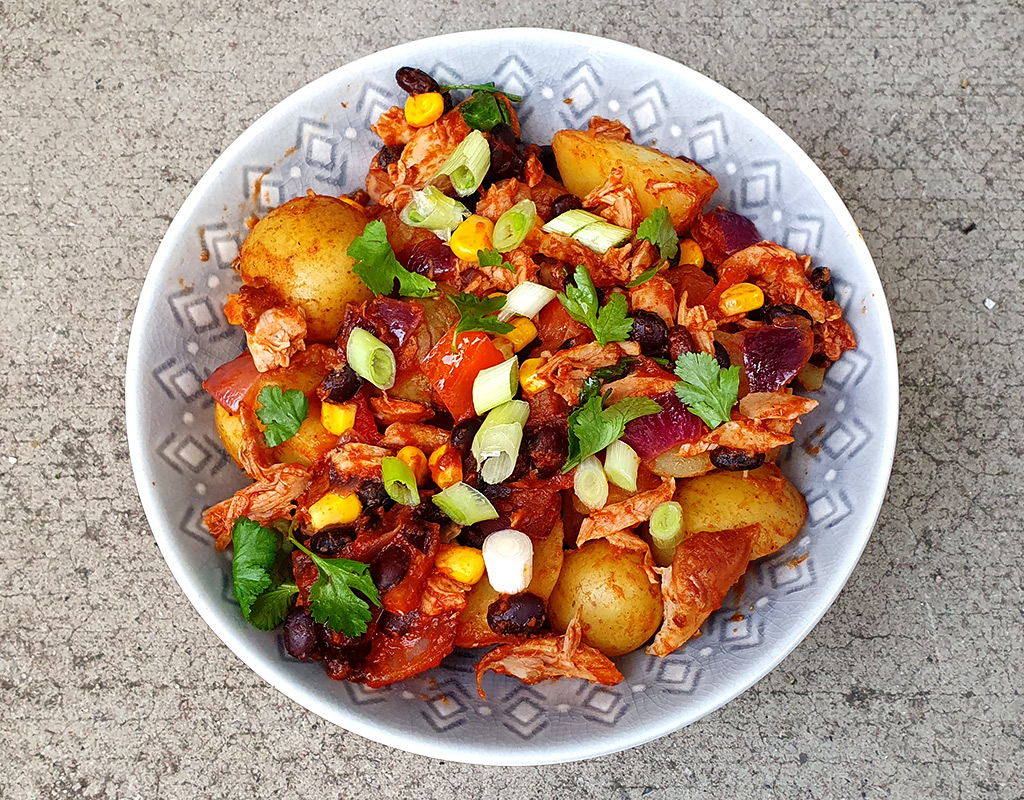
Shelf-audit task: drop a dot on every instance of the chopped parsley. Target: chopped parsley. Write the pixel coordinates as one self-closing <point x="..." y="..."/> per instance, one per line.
<point x="333" y="599"/>
<point x="379" y="269"/>
<point x="492" y="258"/>
<point x="478" y="314"/>
<point x="610" y="323"/>
<point x="592" y="428"/>
<point x="483" y="110"/>
<point x="708" y="391"/>
<point x="282" y="413"/>
<point x="659" y="231"/>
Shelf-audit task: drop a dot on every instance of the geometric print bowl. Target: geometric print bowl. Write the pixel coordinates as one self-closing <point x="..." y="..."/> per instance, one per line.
<point x="320" y="139"/>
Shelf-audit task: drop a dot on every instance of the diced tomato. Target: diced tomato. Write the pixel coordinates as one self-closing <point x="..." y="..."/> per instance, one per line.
<point x="555" y="327"/>
<point x="451" y="373"/>
<point x="364" y="427"/>
<point x="229" y="382"/>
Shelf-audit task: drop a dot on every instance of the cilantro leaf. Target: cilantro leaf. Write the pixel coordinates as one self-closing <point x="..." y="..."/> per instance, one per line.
<point x="659" y="231"/>
<point x="492" y="258"/>
<point x="610" y="323"/>
<point x="644" y="276"/>
<point x="483" y="111"/>
<point x="271" y="608"/>
<point x="478" y="313"/>
<point x="379" y="269"/>
<point x="592" y="428"/>
<point x="282" y="413"/>
<point x="592" y="383"/>
<point x="480" y="87"/>
<point x="255" y="551"/>
<point x="332" y="599"/>
<point x="709" y="391"/>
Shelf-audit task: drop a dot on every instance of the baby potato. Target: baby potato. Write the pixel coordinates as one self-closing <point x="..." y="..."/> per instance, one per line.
<point x="620" y="608"/>
<point x="229" y="429"/>
<point x="722" y="501"/>
<point x="310" y="444"/>
<point x="299" y="250"/>
<point x="585" y="161"/>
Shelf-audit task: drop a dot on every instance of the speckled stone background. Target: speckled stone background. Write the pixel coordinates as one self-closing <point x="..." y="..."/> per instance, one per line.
<point x="111" y="685"/>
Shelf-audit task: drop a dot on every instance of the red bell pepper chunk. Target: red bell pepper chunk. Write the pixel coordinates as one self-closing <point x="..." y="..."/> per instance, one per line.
<point x="451" y="373"/>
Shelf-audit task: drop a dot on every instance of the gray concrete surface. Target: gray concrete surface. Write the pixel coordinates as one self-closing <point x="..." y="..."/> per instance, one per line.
<point x="111" y="686"/>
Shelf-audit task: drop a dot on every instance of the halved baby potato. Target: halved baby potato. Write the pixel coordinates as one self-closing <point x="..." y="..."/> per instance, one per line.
<point x="585" y="161"/>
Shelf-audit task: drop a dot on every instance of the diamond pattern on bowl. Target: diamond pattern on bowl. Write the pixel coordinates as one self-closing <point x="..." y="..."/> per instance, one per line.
<point x="581" y="90"/>
<point x="647" y="111"/>
<point x="708" y="140"/>
<point x="803" y="235"/>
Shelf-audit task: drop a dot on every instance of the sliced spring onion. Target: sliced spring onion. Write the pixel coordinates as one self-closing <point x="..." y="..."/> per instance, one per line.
<point x="512" y="226"/>
<point x="496" y="444"/>
<point x="467" y="166"/>
<point x="371" y="359"/>
<point x="508" y="557"/>
<point x="495" y="385"/>
<point x="526" y="300"/>
<point x="591" y="484"/>
<point x="602" y="236"/>
<point x="666" y="530"/>
<point x="569" y="222"/>
<point x="464" y="504"/>
<point x="434" y="210"/>
<point x="399" y="481"/>
<point x="589" y="230"/>
<point x="620" y="465"/>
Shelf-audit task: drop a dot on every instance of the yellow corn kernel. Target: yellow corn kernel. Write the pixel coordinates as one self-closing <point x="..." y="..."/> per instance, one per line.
<point x="338" y="417"/>
<point x="473" y="235"/>
<point x="415" y="460"/>
<point x="690" y="253"/>
<point x="528" y="378"/>
<point x="445" y="466"/>
<point x="740" y="298"/>
<point x="422" y="109"/>
<point x="523" y="333"/>
<point x="463" y="564"/>
<point x="335" y="509"/>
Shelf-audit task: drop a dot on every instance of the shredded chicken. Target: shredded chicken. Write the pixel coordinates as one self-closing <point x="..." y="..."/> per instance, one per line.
<point x="533" y="171"/>
<point x="390" y="409"/>
<point x="441" y="594"/>
<point x="701" y="327"/>
<point x="704" y="568"/>
<point x="603" y="128"/>
<point x="500" y="197"/>
<point x="656" y="295"/>
<point x="426" y="437"/>
<point x="765" y="421"/>
<point x="535" y="660"/>
<point x="279" y="334"/>
<point x="393" y="128"/>
<point x="264" y="501"/>
<point x="423" y="156"/>
<point x="567" y="369"/>
<point x="621" y="265"/>
<point x="357" y="460"/>
<point x="616" y="201"/>
<point x="639" y="386"/>
<point x="784" y="277"/>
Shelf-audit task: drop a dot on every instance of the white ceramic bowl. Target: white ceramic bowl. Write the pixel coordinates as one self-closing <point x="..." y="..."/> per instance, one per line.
<point x="320" y="139"/>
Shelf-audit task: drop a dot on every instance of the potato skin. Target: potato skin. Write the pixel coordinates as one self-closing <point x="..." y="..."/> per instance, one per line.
<point x="722" y="501"/>
<point x="620" y="607"/>
<point x="299" y="251"/>
<point x="585" y="161"/>
<point x="229" y="429"/>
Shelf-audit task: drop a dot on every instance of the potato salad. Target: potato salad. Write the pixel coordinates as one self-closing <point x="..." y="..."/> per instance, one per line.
<point x="512" y="395"/>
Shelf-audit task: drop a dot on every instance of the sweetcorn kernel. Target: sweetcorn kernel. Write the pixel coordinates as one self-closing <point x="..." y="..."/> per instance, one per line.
<point x="528" y="378"/>
<point x="740" y="298"/>
<point x="335" y="509"/>
<point x="415" y="459"/>
<point x="422" y="109"/>
<point x="690" y="253"/>
<point x="460" y="563"/>
<point x="475" y="233"/>
<point x="337" y="417"/>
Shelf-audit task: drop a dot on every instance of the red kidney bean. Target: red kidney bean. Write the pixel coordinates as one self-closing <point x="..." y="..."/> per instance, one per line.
<point x="680" y="341"/>
<point x="431" y="257"/>
<point x="516" y="614"/>
<point x="415" y="81"/>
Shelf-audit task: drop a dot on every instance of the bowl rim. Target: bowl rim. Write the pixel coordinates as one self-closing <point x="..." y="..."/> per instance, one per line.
<point x="361" y="723"/>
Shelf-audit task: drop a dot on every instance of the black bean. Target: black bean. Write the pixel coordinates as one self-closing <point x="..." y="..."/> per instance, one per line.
<point x="449" y="104"/>
<point x="516" y="614"/>
<point x="389" y="567"/>
<point x="546" y="446"/>
<point x="299" y="635"/>
<point x="821" y="279"/>
<point x="769" y="314"/>
<point x="463" y="433"/>
<point x="504" y="164"/>
<point x="472" y="536"/>
<point x="428" y="512"/>
<point x="340" y="385"/>
<point x="547" y="160"/>
<point x="417" y="534"/>
<point x="330" y="542"/>
<point x="563" y="203"/>
<point x="388" y="155"/>
<point x="372" y="494"/>
<point x="722" y="356"/>
<point x="680" y="341"/>
<point x="732" y="460"/>
<point x="415" y="81"/>
<point x="709" y="270"/>
<point x="651" y="333"/>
